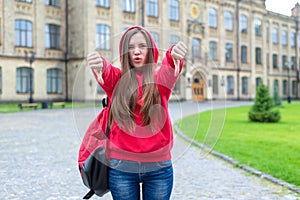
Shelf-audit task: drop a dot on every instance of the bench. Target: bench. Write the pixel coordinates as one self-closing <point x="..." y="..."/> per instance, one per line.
<point x="28" y="105"/>
<point x="62" y="104"/>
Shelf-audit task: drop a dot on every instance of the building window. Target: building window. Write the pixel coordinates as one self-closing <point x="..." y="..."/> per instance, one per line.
<point x="102" y="37"/>
<point x="275" y="61"/>
<point x="174" y="10"/>
<point x="230" y="85"/>
<point x="0" y="32"/>
<point x="285" y="87"/>
<point x="228" y="21"/>
<point x="54" y="81"/>
<point x="212" y="18"/>
<point x="128" y="6"/>
<point x="244" y="54"/>
<point x="196" y="48"/>
<point x="213" y="50"/>
<point x="276" y="86"/>
<point x="275" y="36"/>
<point x="155" y="37"/>
<point x="267" y="33"/>
<point x="23" y="79"/>
<point x="0" y="79"/>
<point x="284" y="38"/>
<point x="294" y="88"/>
<point x="293" y="64"/>
<point x="102" y="3"/>
<point x="53" y="3"/>
<point x="23" y="33"/>
<point x="258" y="55"/>
<point x="174" y="39"/>
<point x="52" y="35"/>
<point x="245" y="85"/>
<point x="228" y="52"/>
<point x="243" y="23"/>
<point x="28" y="1"/>
<point x="215" y="84"/>
<point x="257" y="81"/>
<point x="152" y="8"/>
<point x="293" y="36"/>
<point x="284" y="62"/>
<point x="257" y="25"/>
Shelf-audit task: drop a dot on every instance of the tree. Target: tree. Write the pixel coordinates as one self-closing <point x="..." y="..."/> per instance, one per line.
<point x="263" y="109"/>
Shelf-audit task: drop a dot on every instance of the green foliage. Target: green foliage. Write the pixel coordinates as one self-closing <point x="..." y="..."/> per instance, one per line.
<point x="263" y="109"/>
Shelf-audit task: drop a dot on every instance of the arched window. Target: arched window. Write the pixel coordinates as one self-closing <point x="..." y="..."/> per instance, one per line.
<point x="128" y="6"/>
<point x="54" y="81"/>
<point x="102" y="37"/>
<point x="52" y="35"/>
<point x="174" y="10"/>
<point x="212" y="18"/>
<point x="152" y="8"/>
<point x="23" y="33"/>
<point x="196" y="45"/>
<point x="243" y="23"/>
<point x="228" y="20"/>
<point x="257" y="24"/>
<point x="244" y="85"/>
<point x="230" y="85"/>
<point x="23" y="79"/>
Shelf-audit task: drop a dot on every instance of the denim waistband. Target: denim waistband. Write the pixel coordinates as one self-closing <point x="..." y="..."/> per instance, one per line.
<point x="138" y="167"/>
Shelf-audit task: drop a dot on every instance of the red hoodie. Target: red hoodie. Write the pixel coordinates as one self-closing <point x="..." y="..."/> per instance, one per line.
<point x="143" y="145"/>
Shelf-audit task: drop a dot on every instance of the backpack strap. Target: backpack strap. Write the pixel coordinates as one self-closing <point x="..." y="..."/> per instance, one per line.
<point x="89" y="194"/>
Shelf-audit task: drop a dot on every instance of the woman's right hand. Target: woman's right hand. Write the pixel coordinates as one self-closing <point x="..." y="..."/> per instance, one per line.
<point x="95" y="62"/>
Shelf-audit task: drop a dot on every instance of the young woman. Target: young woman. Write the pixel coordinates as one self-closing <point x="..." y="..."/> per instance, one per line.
<point x="141" y="134"/>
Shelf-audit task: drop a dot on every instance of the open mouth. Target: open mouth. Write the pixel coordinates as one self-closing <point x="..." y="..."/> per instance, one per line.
<point x="137" y="60"/>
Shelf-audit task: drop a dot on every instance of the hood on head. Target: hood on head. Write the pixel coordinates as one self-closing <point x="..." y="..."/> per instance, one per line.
<point x="154" y="48"/>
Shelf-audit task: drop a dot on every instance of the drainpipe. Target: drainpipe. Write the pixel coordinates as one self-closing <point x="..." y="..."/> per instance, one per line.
<point x="297" y="54"/>
<point x="66" y="48"/>
<point x="142" y="13"/>
<point x="238" y="47"/>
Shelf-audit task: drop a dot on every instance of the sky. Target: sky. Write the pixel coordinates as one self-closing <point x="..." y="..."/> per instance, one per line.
<point x="281" y="6"/>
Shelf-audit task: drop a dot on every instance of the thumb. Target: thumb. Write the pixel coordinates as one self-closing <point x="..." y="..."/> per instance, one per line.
<point x="100" y="79"/>
<point x="177" y="66"/>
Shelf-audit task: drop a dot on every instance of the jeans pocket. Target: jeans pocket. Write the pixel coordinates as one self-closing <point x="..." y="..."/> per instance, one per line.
<point x="115" y="163"/>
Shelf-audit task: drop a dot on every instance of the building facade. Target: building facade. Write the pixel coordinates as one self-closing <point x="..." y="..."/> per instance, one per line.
<point x="233" y="46"/>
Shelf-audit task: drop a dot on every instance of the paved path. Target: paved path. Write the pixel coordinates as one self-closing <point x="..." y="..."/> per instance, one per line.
<point x="38" y="160"/>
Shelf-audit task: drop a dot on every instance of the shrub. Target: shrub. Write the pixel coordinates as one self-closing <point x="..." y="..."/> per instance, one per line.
<point x="263" y="109"/>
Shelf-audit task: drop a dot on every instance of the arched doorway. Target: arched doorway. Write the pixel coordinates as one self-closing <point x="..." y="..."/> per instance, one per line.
<point x="198" y="88"/>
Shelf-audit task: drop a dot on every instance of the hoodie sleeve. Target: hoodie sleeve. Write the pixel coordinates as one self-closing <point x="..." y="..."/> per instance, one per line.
<point x="110" y="75"/>
<point x="165" y="76"/>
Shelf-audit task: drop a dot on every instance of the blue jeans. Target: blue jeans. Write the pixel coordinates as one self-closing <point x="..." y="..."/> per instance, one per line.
<point x="125" y="177"/>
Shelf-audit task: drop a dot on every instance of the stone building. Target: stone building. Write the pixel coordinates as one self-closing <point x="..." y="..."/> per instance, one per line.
<point x="233" y="46"/>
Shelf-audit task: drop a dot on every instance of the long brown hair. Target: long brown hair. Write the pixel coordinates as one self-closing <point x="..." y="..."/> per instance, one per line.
<point x="125" y="96"/>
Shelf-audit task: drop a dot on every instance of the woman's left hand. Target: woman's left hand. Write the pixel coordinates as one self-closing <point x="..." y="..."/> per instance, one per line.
<point x="178" y="52"/>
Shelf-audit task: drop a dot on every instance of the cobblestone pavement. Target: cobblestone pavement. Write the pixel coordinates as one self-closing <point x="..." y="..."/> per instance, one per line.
<point x="39" y="160"/>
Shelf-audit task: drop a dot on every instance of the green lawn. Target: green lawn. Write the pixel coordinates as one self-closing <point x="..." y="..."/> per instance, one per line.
<point x="13" y="107"/>
<point x="273" y="148"/>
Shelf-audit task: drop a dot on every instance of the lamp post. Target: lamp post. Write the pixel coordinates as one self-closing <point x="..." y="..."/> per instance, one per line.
<point x="288" y="65"/>
<point x="30" y="60"/>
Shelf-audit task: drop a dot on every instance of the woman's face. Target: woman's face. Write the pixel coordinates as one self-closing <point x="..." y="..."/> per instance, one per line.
<point x="138" y="50"/>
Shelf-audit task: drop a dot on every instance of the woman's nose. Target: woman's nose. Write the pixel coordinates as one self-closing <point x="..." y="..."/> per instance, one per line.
<point x="137" y="51"/>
